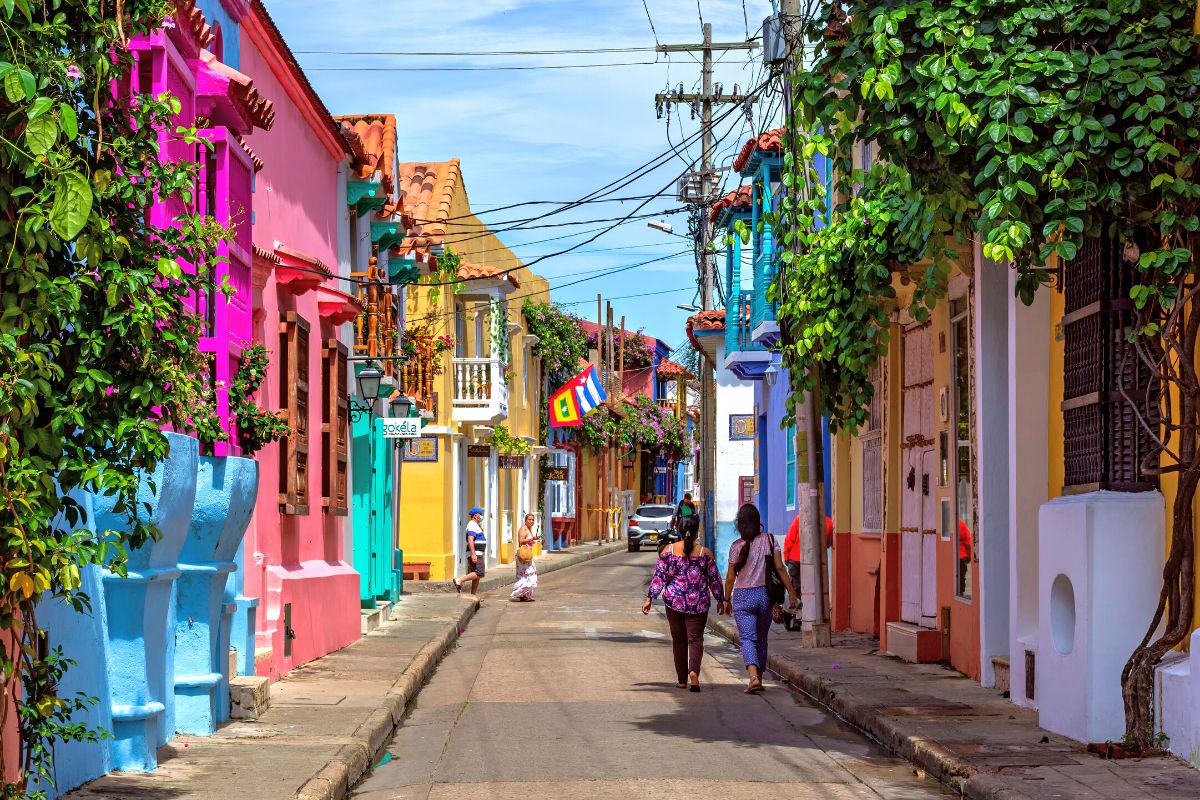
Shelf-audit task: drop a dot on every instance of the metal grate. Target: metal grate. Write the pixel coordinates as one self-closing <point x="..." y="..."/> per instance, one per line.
<point x="1103" y="440"/>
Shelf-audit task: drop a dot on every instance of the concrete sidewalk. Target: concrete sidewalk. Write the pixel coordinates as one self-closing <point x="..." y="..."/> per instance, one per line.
<point x="503" y="575"/>
<point x="328" y="721"/>
<point x="949" y="727"/>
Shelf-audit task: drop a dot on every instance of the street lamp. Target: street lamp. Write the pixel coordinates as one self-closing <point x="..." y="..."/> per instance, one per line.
<point x="402" y="406"/>
<point x="659" y="225"/>
<point x="369" y="381"/>
<point x="688" y="307"/>
<point x="770" y="374"/>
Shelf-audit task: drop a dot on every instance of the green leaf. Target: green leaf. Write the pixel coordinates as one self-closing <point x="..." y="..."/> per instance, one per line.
<point x="41" y="135"/>
<point x="13" y="88"/>
<point x="39" y="107"/>
<point x="28" y="83"/>
<point x="1028" y="94"/>
<point x="69" y="121"/>
<point x="72" y="205"/>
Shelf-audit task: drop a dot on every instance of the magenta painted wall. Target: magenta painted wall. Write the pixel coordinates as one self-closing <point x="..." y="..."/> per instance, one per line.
<point x="295" y="559"/>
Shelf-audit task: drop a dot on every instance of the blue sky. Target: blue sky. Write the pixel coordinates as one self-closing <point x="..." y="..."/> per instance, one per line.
<point x="525" y="135"/>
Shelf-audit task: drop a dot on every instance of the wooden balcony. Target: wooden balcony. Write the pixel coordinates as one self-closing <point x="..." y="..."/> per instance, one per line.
<point x="376" y="329"/>
<point x="417" y="374"/>
<point x="669" y="405"/>
<point x="480" y="393"/>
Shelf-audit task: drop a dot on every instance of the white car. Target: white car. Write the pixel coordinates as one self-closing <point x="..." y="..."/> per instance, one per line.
<point x="649" y="524"/>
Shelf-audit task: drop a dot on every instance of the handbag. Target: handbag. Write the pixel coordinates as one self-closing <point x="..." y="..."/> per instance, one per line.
<point x="525" y="554"/>
<point x="776" y="592"/>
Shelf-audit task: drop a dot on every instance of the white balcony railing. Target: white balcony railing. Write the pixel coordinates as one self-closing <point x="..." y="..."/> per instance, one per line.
<point x="480" y="393"/>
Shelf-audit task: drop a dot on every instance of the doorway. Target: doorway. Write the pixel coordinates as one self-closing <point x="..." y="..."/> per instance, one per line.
<point x="918" y="524"/>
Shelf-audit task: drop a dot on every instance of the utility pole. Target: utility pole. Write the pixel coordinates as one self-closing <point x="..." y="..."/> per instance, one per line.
<point x="811" y="506"/>
<point x="698" y="190"/>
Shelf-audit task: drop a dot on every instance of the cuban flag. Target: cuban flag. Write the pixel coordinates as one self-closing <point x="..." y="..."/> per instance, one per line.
<point x="589" y="391"/>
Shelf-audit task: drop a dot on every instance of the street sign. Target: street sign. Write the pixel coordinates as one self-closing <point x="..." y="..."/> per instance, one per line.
<point x="402" y="428"/>
<point x="511" y="462"/>
<point x="556" y="473"/>
<point x="478" y="451"/>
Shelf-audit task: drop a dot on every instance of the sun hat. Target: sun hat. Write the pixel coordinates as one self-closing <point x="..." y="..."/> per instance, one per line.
<point x="474" y="510"/>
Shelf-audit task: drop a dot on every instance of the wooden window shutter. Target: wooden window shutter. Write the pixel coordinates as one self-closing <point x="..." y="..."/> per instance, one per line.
<point x="1103" y="439"/>
<point x="335" y="429"/>
<point x="293" y="457"/>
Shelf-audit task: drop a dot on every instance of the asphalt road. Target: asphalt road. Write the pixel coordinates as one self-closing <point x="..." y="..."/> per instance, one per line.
<point x="573" y="696"/>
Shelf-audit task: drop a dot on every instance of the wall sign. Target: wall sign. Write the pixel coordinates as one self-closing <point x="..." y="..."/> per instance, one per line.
<point x="746" y="489"/>
<point x="556" y="473"/>
<point x="404" y="428"/>
<point x="424" y="448"/>
<point x="741" y="427"/>
<point x="511" y="462"/>
<point x="479" y="451"/>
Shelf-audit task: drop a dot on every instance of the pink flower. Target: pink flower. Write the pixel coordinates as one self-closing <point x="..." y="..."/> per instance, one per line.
<point x="74" y="72"/>
<point x="109" y="391"/>
<point x="168" y="23"/>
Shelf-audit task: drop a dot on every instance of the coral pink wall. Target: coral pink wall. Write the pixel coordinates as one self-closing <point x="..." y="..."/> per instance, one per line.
<point x="295" y="559"/>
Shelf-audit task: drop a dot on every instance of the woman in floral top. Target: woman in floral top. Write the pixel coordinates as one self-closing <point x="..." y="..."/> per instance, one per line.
<point x="685" y="579"/>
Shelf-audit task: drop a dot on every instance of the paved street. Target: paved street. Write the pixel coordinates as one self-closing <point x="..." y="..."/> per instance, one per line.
<point x="573" y="696"/>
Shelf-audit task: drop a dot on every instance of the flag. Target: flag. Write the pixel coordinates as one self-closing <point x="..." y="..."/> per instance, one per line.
<point x="589" y="391"/>
<point x="564" y="408"/>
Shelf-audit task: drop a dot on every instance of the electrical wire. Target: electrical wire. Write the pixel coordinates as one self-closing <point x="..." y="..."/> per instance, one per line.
<point x="646" y="6"/>
<point x="473" y="53"/>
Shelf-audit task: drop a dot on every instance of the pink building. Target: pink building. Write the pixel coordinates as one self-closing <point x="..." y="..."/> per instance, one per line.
<point x="295" y="558"/>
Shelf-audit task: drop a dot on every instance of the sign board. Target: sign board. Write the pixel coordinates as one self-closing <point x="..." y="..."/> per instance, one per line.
<point x="478" y="451"/>
<point x="556" y="473"/>
<point x="746" y="489"/>
<point x="422" y="449"/>
<point x="660" y="470"/>
<point x="741" y="427"/>
<point x="511" y="462"/>
<point x="403" y="428"/>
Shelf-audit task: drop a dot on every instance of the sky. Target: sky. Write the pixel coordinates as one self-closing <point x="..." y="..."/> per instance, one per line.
<point x="547" y="134"/>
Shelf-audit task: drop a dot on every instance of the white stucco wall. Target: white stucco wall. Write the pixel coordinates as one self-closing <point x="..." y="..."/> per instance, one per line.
<point x="1177" y="685"/>
<point x="1099" y="574"/>
<point x="734" y="458"/>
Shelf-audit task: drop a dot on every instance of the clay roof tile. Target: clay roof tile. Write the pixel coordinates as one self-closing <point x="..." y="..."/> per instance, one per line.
<point x="741" y="197"/>
<point x="377" y="133"/>
<point x="669" y="369"/>
<point x="427" y="190"/>
<point x="469" y="272"/>
<point x="766" y="142"/>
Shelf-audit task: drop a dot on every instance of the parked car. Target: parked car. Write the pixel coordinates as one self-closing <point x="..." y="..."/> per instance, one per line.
<point x="649" y="524"/>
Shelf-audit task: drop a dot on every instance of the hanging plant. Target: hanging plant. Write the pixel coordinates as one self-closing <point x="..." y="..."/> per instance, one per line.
<point x="561" y="342"/>
<point x="504" y="442"/>
<point x="257" y="427"/>
<point x="443" y="274"/>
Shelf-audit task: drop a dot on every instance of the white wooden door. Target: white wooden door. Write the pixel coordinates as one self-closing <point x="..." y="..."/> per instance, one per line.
<point x="918" y="596"/>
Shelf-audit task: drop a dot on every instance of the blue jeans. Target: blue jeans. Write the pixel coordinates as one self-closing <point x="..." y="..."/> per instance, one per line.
<point x="752" y="613"/>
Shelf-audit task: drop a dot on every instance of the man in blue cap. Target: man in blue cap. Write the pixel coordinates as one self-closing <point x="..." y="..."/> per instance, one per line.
<point x="476" y="552"/>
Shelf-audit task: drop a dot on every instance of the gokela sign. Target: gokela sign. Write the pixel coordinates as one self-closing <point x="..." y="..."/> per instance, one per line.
<point x="402" y="428"/>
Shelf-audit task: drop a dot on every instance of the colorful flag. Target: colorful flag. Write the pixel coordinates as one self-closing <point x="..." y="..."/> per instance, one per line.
<point x="589" y="391"/>
<point x="564" y="408"/>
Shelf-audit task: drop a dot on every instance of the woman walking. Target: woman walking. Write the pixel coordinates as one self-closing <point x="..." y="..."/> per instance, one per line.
<point x="526" y="571"/>
<point x="750" y="556"/>
<point x="685" y="576"/>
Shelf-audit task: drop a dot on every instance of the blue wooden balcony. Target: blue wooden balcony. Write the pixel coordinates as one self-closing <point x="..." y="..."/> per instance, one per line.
<point x="744" y="357"/>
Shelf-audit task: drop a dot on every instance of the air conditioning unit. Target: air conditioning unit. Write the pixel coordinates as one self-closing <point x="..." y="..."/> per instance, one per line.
<point x="775" y="48"/>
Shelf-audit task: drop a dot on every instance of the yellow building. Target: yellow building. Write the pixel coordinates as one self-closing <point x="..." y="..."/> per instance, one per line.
<point x="487" y="380"/>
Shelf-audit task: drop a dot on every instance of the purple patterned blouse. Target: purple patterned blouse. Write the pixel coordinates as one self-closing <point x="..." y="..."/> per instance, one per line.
<point x="685" y="582"/>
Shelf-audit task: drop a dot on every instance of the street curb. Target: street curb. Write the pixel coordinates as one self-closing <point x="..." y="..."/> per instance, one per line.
<point x="499" y="580"/>
<point x="339" y="775"/>
<point x="891" y="733"/>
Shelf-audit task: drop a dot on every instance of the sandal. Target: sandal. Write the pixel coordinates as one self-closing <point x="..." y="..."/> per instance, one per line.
<point x="755" y="686"/>
<point x="681" y="685"/>
<point x="457" y="586"/>
<point x="693" y="686"/>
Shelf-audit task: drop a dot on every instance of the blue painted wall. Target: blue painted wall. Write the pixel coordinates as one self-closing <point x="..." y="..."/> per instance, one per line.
<point x="772" y="406"/>
<point x="83" y="639"/>
<point x="216" y="15"/>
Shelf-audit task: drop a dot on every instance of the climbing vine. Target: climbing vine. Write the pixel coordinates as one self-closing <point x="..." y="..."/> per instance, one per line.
<point x="257" y="427"/>
<point x="504" y="442"/>
<point x="96" y="342"/>
<point x="1022" y="129"/>
<point x="443" y="272"/>
<point x="561" y="343"/>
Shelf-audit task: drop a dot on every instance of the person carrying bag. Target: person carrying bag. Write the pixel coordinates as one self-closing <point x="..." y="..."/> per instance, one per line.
<point x="757" y="585"/>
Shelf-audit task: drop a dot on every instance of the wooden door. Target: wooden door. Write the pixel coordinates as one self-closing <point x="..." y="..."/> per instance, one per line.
<point x="918" y="595"/>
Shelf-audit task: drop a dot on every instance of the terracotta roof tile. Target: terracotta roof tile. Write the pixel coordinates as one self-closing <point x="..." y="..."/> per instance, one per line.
<point x="190" y="20"/>
<point x="713" y="320"/>
<point x="470" y="272"/>
<point x="766" y="142"/>
<point x="427" y="190"/>
<point x="740" y="197"/>
<point x="241" y="91"/>
<point x="669" y="369"/>
<point x="377" y="132"/>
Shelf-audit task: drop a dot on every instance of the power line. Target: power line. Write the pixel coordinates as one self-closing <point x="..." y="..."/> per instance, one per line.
<point x="646" y="6"/>
<point x="487" y="68"/>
